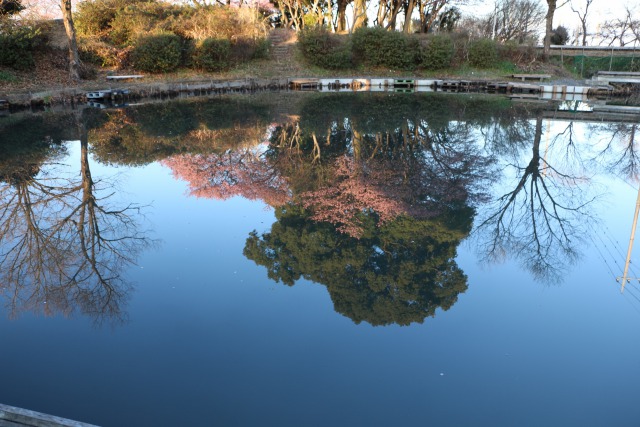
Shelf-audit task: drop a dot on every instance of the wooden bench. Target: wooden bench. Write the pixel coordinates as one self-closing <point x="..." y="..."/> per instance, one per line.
<point x="524" y="77"/>
<point x="134" y="76"/>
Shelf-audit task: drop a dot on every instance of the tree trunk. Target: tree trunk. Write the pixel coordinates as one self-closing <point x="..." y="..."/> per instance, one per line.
<point x="360" y="14"/>
<point x="407" y="16"/>
<point x="342" y="16"/>
<point x="548" y="28"/>
<point x="396" y="4"/>
<point x="383" y="10"/>
<point x="74" y="58"/>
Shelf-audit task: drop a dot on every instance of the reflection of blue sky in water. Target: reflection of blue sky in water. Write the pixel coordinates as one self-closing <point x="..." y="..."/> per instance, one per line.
<point x="211" y="340"/>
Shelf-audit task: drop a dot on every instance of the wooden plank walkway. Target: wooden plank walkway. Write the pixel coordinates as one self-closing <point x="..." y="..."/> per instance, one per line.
<point x="10" y="416"/>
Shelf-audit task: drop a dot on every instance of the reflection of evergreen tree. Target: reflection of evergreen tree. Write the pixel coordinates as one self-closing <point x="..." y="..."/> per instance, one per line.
<point x="400" y="272"/>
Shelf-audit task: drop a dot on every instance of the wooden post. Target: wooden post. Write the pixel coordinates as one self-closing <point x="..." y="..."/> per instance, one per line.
<point x="633" y="234"/>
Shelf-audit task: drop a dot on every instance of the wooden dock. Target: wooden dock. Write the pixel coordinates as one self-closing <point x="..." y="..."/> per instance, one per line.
<point x="10" y="416"/>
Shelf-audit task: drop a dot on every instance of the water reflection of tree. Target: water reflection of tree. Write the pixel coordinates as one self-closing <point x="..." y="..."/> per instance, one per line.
<point x="400" y="272"/>
<point x="346" y="168"/>
<point x="378" y="215"/>
<point x="242" y="171"/>
<point x="544" y="217"/>
<point x="621" y="152"/>
<point x="64" y="247"/>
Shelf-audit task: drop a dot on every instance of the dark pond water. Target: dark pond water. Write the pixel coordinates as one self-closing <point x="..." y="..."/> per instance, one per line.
<point x="321" y="260"/>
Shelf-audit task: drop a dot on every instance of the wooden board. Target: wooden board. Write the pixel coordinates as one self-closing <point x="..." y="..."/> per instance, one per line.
<point x="135" y="76"/>
<point x="524" y="77"/>
<point x="11" y="415"/>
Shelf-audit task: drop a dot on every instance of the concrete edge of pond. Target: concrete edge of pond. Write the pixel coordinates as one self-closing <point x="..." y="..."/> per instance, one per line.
<point x="136" y="90"/>
<point x="11" y="416"/>
<point x="161" y="89"/>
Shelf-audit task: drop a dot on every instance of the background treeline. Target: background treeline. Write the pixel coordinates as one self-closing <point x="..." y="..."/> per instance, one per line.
<point x="157" y="36"/>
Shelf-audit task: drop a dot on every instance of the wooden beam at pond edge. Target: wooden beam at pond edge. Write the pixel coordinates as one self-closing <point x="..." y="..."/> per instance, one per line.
<point x="10" y="416"/>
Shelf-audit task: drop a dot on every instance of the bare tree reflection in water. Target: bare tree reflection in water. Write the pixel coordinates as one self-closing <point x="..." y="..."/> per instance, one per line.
<point x="64" y="247"/>
<point x="621" y="152"/>
<point x="544" y="218"/>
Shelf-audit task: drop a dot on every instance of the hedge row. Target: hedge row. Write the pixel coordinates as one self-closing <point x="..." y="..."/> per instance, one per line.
<point x="157" y="36"/>
<point x="165" y="52"/>
<point x="376" y="47"/>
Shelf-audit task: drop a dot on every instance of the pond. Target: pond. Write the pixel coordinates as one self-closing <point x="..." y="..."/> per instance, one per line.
<point x="293" y="259"/>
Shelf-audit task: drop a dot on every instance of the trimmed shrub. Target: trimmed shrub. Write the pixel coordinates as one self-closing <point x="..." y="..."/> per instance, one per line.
<point x="17" y="43"/>
<point x="521" y="55"/>
<point x="380" y="48"/>
<point x="212" y="54"/>
<point x="110" y="29"/>
<point x="157" y="53"/>
<point x="483" y="53"/>
<point x="438" y="52"/>
<point x="143" y="18"/>
<point x="103" y="54"/>
<point x="6" y="76"/>
<point x="262" y="48"/>
<point x="324" y="49"/>
<point x="221" y="23"/>
<point x="94" y="17"/>
<point x="247" y="49"/>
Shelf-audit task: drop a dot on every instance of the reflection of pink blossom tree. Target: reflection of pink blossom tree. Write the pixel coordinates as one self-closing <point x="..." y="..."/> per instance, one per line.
<point x="354" y="193"/>
<point x="241" y="172"/>
<point x="382" y="190"/>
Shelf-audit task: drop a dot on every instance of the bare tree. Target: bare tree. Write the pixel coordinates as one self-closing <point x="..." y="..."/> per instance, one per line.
<point x="74" y="58"/>
<point x="624" y="30"/>
<point x="516" y="20"/>
<point x="582" y="15"/>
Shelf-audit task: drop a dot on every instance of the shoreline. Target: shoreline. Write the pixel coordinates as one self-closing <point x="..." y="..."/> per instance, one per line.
<point x="156" y="88"/>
